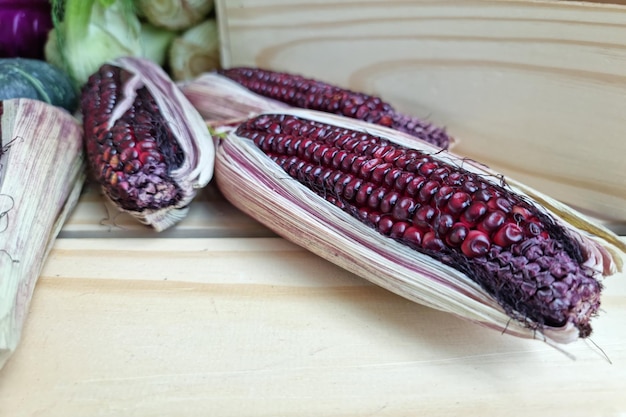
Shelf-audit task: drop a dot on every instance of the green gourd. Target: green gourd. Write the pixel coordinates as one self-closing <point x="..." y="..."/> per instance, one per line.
<point x="36" y="79"/>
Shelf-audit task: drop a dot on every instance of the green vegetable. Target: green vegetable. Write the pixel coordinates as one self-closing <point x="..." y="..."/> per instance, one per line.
<point x="156" y="42"/>
<point x="174" y="14"/>
<point x="88" y="33"/>
<point x="195" y="52"/>
<point x="36" y="79"/>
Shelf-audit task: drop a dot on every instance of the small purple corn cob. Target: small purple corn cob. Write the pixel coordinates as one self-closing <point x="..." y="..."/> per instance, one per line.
<point x="515" y="251"/>
<point x="307" y="93"/>
<point x="147" y="146"/>
<point x="133" y="158"/>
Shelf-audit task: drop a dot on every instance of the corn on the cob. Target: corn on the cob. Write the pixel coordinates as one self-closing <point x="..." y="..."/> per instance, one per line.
<point x="432" y="227"/>
<point x="307" y="93"/>
<point x="146" y="144"/>
<point x="42" y="169"/>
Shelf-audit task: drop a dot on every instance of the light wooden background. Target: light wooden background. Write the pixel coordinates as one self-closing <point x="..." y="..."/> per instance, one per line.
<point x="533" y="89"/>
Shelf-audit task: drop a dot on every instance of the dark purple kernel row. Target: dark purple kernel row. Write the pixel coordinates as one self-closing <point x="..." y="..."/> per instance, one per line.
<point x="306" y="93"/>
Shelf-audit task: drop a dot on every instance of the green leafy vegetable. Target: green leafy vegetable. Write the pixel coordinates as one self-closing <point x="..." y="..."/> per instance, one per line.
<point x="88" y="33"/>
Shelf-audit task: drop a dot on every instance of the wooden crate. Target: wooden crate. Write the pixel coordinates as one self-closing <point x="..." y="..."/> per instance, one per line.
<point x="533" y="89"/>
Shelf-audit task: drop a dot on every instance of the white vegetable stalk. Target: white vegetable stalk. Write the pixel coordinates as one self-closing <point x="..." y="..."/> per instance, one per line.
<point x="41" y="175"/>
<point x="174" y="14"/>
<point x="195" y="52"/>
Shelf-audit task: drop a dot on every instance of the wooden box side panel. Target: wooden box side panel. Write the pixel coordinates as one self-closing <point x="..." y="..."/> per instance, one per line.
<point x="533" y="89"/>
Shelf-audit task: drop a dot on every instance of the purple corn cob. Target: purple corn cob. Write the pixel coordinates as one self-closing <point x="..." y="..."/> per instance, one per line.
<point x="133" y="158"/>
<point x="513" y="250"/>
<point x="147" y="146"/>
<point x="311" y="94"/>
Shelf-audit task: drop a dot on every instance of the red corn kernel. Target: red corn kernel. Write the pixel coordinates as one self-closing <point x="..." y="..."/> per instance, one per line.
<point x="430" y="241"/>
<point x="443" y="195"/>
<point x="499" y="203"/>
<point x="388" y="201"/>
<point x="404" y="208"/>
<point x="375" y="198"/>
<point x="352" y="188"/>
<point x="379" y="172"/>
<point x="483" y="195"/>
<point x="403" y="180"/>
<point x="459" y="202"/>
<point x="444" y="223"/>
<point x="508" y="234"/>
<point x="385" y="224"/>
<point x="470" y="187"/>
<point x="520" y="213"/>
<point x="475" y="244"/>
<point x="392" y="155"/>
<point x="374" y="218"/>
<point x="413" y="187"/>
<point x="398" y="230"/>
<point x="413" y="235"/>
<point x="474" y="212"/>
<point x="427" y="168"/>
<point x="492" y="221"/>
<point x="364" y="193"/>
<point x="457" y="234"/>
<point x="427" y="191"/>
<point x="369" y="167"/>
<point x="392" y="176"/>
<point x="423" y="216"/>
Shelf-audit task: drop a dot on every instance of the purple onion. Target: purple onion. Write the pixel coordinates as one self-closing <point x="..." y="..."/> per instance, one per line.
<point x="24" y="28"/>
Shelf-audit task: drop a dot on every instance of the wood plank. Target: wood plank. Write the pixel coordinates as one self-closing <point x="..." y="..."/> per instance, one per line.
<point x="621" y="2"/>
<point x="259" y="327"/>
<point x="533" y="89"/>
<point x="210" y="215"/>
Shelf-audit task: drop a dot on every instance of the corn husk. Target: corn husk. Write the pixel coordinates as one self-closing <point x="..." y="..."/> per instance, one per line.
<point x="260" y="188"/>
<point x="219" y="98"/>
<point x="42" y="170"/>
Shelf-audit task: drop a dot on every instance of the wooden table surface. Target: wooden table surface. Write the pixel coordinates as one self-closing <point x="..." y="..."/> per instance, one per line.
<point x="219" y="317"/>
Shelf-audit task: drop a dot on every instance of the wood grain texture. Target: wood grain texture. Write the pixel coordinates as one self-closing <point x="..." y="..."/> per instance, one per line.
<point x="609" y="2"/>
<point x="210" y="215"/>
<point x="259" y="327"/>
<point x="533" y="89"/>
